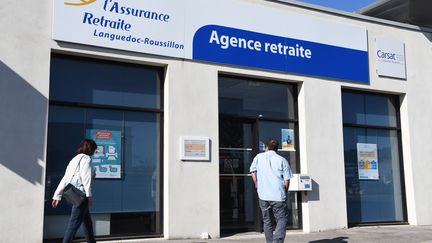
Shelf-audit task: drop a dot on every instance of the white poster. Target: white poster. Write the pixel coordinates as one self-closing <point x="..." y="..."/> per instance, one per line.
<point x="390" y="57"/>
<point x="287" y="138"/>
<point x="367" y="159"/>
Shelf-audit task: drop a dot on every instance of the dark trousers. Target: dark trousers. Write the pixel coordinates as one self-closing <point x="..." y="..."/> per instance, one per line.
<point x="279" y="211"/>
<point x="79" y="215"/>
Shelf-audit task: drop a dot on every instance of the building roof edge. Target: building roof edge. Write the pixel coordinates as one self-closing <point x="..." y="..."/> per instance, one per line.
<point x="353" y="15"/>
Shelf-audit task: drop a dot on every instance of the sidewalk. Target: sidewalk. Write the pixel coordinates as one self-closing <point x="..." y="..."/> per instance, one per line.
<point x="380" y="234"/>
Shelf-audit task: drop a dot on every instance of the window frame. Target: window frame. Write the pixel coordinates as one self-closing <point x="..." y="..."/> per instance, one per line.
<point x="396" y="128"/>
<point x="85" y="105"/>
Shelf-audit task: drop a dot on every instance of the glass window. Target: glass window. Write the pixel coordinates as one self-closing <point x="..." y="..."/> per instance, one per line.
<point x="372" y="201"/>
<point x="378" y="110"/>
<point x="66" y="130"/>
<point x="140" y="161"/>
<point x="91" y="81"/>
<point x="251" y="98"/>
<point x="132" y="203"/>
<point x="142" y="148"/>
<point x="139" y="188"/>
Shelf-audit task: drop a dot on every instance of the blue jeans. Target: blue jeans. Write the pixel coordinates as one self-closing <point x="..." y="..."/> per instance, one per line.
<point x="79" y="215"/>
<point x="279" y="211"/>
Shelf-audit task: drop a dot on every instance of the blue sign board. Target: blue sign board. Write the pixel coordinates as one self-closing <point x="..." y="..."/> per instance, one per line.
<point x="227" y="45"/>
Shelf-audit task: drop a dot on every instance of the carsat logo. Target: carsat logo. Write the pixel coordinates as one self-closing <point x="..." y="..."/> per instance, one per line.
<point x="80" y="3"/>
<point x="389" y="55"/>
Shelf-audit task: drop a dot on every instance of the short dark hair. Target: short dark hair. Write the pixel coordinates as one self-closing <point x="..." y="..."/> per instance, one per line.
<point x="272" y="144"/>
<point x="87" y="146"/>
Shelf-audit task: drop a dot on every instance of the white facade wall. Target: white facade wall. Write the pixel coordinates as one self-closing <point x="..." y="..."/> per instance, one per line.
<point x="24" y="79"/>
<point x="191" y="189"/>
<point x="415" y="118"/>
<point x="322" y="145"/>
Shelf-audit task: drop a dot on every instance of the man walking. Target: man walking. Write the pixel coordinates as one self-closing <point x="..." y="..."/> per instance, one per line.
<point x="271" y="173"/>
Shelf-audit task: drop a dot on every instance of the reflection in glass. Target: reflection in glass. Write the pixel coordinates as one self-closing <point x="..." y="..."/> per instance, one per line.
<point x="235" y="161"/>
<point x="250" y="98"/>
<point x="65" y="132"/>
<point x="236" y="187"/>
<point x="236" y="198"/>
<point x="104" y="82"/>
<point x="368" y="109"/>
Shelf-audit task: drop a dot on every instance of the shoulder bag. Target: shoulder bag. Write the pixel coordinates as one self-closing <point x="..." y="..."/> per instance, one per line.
<point x="72" y="194"/>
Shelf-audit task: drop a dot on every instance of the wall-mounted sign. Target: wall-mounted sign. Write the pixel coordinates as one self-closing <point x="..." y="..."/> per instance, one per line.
<point x="247" y="34"/>
<point x="367" y="159"/>
<point x="287" y="140"/>
<point x="195" y="148"/>
<point x="390" y="58"/>
<point x="107" y="160"/>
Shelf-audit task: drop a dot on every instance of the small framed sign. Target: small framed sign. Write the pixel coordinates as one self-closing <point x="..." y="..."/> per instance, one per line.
<point x="195" y="148"/>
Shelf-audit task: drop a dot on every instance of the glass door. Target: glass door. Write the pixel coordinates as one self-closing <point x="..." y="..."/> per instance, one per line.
<point x="236" y="187"/>
<point x="282" y="132"/>
<point x="240" y="141"/>
<point x="251" y="111"/>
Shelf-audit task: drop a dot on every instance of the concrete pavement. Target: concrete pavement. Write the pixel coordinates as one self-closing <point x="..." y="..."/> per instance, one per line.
<point x="379" y="234"/>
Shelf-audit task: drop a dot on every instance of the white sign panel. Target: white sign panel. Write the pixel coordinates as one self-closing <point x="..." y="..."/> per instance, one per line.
<point x="154" y="27"/>
<point x="231" y="32"/>
<point x="195" y="148"/>
<point x="367" y="156"/>
<point x="390" y="58"/>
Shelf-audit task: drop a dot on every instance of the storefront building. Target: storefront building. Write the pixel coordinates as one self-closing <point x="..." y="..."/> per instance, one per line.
<point x="181" y="95"/>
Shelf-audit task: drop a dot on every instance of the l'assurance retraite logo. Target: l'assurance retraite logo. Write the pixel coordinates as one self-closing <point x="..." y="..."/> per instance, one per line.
<point x="80" y="3"/>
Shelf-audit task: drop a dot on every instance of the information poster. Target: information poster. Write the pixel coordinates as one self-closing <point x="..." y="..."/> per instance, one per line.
<point x="287" y="139"/>
<point x="367" y="156"/>
<point x="106" y="161"/>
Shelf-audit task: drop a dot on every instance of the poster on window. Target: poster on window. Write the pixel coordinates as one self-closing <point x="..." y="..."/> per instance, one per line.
<point x="367" y="158"/>
<point x="287" y="139"/>
<point x="106" y="161"/>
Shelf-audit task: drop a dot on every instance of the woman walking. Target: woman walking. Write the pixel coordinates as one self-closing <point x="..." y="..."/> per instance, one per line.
<point x="79" y="173"/>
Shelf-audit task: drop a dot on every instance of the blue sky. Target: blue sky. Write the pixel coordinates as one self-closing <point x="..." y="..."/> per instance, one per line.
<point x="346" y="5"/>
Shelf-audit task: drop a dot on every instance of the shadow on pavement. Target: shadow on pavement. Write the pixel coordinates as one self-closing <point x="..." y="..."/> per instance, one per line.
<point x="334" y="240"/>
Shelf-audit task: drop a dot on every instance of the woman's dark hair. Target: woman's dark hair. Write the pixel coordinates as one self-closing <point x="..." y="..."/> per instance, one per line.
<point x="87" y="146"/>
<point x="272" y="144"/>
